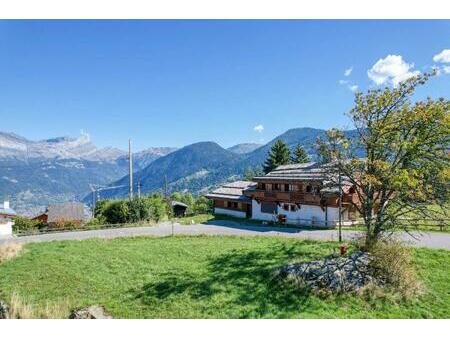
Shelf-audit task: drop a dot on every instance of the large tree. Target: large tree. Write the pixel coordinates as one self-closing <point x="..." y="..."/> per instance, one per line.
<point x="404" y="174"/>
<point x="299" y="155"/>
<point x="278" y="155"/>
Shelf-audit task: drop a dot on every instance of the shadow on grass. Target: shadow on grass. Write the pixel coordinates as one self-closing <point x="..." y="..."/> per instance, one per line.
<point x="244" y="281"/>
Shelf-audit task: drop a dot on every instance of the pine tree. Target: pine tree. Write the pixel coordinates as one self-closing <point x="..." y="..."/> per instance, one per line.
<point x="300" y="155"/>
<point x="278" y="155"/>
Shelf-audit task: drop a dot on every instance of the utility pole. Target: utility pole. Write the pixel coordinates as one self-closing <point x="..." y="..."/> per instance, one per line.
<point x="93" y="201"/>
<point x="130" y="159"/>
<point x="340" y="203"/>
<point x="166" y="190"/>
<point x="139" y="187"/>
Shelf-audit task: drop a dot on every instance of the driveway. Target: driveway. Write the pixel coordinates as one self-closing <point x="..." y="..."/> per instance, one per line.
<point x="433" y="240"/>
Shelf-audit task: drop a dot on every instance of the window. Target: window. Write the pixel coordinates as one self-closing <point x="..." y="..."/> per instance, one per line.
<point x="290" y="207"/>
<point x="287" y="187"/>
<point x="308" y="188"/>
<point x="276" y="186"/>
<point x="263" y="186"/>
<point x="268" y="207"/>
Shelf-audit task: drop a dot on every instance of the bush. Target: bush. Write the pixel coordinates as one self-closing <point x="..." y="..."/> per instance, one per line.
<point x="391" y="263"/>
<point x="202" y="205"/>
<point x="66" y="225"/>
<point x="23" y="224"/>
<point x="139" y="209"/>
<point x="116" y="212"/>
<point x="96" y="222"/>
<point x="158" y="208"/>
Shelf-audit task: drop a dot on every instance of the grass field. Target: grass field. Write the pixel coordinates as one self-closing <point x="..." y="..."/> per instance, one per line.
<point x="200" y="277"/>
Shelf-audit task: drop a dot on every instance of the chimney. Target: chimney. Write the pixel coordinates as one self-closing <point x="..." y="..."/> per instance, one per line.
<point x="6" y="203"/>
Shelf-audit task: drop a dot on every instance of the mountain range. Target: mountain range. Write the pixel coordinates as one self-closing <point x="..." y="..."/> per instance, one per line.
<point x="37" y="173"/>
<point x="202" y="166"/>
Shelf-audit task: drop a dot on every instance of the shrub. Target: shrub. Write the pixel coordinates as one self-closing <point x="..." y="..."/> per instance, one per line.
<point x="202" y="205"/>
<point x="9" y="251"/>
<point x="95" y="222"/>
<point x="139" y="209"/>
<point x="23" y="224"/>
<point x="116" y="212"/>
<point x="391" y="263"/>
<point x="66" y="225"/>
<point x="158" y="208"/>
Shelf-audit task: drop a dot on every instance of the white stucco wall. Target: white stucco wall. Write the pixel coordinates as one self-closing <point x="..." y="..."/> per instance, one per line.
<point x="306" y="215"/>
<point x="258" y="215"/>
<point x="234" y="213"/>
<point x="6" y="228"/>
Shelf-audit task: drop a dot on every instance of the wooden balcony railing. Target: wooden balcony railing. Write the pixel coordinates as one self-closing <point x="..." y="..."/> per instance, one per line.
<point x="286" y="196"/>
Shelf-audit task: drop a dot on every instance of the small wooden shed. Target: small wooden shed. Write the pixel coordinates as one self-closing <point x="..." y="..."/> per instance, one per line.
<point x="179" y="209"/>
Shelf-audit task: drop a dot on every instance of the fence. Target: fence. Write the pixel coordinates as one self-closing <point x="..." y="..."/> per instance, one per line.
<point x="81" y="227"/>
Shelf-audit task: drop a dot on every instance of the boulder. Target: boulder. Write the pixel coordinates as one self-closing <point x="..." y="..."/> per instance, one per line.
<point x="334" y="273"/>
<point x="4" y="310"/>
<point x="91" y="312"/>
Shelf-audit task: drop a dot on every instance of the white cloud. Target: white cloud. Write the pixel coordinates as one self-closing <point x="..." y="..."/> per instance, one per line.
<point x="353" y="88"/>
<point x="348" y="71"/>
<point x="259" y="128"/>
<point x="349" y="85"/>
<point x="443" y="56"/>
<point x="446" y="69"/>
<point x="392" y="70"/>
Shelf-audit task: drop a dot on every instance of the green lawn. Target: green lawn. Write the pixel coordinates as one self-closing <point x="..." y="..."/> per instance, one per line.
<point x="201" y="277"/>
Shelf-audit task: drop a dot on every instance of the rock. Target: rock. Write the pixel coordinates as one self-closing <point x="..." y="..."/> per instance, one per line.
<point x="92" y="312"/>
<point x="337" y="274"/>
<point x="4" y="310"/>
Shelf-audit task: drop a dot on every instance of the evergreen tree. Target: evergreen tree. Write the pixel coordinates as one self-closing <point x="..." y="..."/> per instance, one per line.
<point x="250" y="173"/>
<point x="278" y="155"/>
<point x="299" y="155"/>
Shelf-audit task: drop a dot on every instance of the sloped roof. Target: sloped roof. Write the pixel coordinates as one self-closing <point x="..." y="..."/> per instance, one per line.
<point x="233" y="191"/>
<point x="71" y="211"/>
<point x="177" y="203"/>
<point x="311" y="171"/>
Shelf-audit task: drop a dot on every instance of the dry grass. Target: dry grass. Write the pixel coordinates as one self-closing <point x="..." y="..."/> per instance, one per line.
<point x="392" y="264"/>
<point x="19" y="308"/>
<point x="9" y="251"/>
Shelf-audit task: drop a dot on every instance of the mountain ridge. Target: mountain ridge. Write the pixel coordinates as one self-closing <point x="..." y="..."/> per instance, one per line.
<point x="202" y="177"/>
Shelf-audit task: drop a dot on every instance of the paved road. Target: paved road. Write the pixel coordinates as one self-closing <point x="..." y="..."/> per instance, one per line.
<point x="430" y="239"/>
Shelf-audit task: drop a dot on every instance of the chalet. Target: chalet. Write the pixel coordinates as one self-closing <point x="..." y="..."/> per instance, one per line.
<point x="6" y="218"/>
<point x="230" y="199"/>
<point x="64" y="212"/>
<point x="299" y="194"/>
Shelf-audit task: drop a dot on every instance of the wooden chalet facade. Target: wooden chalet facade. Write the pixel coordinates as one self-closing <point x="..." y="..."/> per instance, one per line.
<point x="230" y="200"/>
<point x="295" y="194"/>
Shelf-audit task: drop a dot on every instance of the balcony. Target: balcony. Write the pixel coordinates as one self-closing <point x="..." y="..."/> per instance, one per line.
<point x="285" y="196"/>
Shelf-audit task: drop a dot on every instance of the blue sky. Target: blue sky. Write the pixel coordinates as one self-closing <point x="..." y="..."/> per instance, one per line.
<point x="172" y="83"/>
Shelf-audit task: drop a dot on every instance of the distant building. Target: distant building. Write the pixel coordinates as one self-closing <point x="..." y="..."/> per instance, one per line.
<point x="6" y="218"/>
<point x="179" y="209"/>
<point x="230" y="199"/>
<point x="297" y="194"/>
<point x="63" y="212"/>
